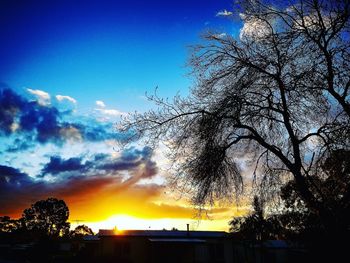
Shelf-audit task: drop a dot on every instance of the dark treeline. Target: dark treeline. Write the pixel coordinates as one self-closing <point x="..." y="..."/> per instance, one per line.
<point x="39" y="233"/>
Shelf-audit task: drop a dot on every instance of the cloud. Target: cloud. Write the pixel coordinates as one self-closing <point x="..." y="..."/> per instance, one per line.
<point x="62" y="97"/>
<point x="95" y="131"/>
<point x="100" y="103"/>
<point x="18" y="115"/>
<point x="254" y="29"/>
<point x="57" y="165"/>
<point x="111" y="112"/>
<point x="12" y="183"/>
<point x="71" y="133"/>
<point x="42" y="96"/>
<point x="10" y="105"/>
<point x="13" y="177"/>
<point x="131" y="159"/>
<point x="224" y="13"/>
<point x="44" y="123"/>
<point x="20" y="144"/>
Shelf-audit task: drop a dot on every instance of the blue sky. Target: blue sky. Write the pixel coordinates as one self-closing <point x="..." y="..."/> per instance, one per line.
<point x="68" y="71"/>
<point x="108" y="50"/>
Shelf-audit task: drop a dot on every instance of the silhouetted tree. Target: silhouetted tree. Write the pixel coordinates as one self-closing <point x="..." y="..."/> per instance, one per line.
<point x="332" y="188"/>
<point x="48" y="217"/>
<point x="277" y="96"/>
<point x="257" y="225"/>
<point x="80" y="231"/>
<point x="248" y="226"/>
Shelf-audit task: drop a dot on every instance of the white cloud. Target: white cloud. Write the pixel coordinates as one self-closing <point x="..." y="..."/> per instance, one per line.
<point x="61" y="98"/>
<point x="224" y="13"/>
<point x="111" y="112"/>
<point x="43" y="97"/>
<point x="101" y="107"/>
<point x="254" y="28"/>
<point x="100" y="104"/>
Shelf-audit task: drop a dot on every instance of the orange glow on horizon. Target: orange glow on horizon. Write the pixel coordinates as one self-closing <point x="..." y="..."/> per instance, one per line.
<point x="118" y="231"/>
<point x="122" y="222"/>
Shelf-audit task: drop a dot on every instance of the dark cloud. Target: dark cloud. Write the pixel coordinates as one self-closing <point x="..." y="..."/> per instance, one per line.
<point x="132" y="153"/>
<point x="97" y="131"/>
<point x="45" y="123"/>
<point x="16" y="189"/>
<point x="100" y="156"/>
<point x="10" y="105"/>
<point x="29" y="116"/>
<point x="12" y="178"/>
<point x="129" y="160"/>
<point x="57" y="165"/>
<point x="150" y="169"/>
<point x="42" y="119"/>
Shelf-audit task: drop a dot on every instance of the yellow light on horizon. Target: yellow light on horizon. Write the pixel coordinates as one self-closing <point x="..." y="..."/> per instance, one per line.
<point x="126" y="222"/>
<point x="122" y="222"/>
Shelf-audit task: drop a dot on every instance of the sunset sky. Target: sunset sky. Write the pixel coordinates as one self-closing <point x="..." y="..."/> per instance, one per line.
<point x="68" y="71"/>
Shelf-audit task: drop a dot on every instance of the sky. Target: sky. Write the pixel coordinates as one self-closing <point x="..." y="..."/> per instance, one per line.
<point x="69" y="70"/>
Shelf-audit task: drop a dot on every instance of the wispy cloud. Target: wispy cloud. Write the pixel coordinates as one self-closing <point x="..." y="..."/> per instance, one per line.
<point x="62" y="97"/>
<point x="42" y="96"/>
<point x="224" y="13"/>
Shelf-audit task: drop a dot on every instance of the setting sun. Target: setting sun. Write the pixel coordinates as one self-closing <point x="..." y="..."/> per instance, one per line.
<point x="126" y="222"/>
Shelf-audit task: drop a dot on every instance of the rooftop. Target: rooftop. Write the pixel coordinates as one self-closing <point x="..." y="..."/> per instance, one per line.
<point x="163" y="233"/>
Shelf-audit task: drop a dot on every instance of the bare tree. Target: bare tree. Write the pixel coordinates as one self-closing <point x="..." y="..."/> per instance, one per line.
<point x="279" y="94"/>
